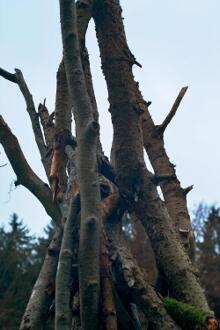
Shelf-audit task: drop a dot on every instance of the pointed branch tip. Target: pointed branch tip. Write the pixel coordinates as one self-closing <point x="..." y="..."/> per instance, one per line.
<point x="162" y="127"/>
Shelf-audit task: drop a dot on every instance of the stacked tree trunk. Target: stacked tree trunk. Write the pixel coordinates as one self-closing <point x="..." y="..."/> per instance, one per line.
<point x="89" y="277"/>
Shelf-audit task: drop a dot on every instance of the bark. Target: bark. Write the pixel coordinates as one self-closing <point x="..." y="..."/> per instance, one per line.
<point x="37" y="310"/>
<point x="87" y="130"/>
<point x="174" y="194"/>
<point x="63" y="314"/>
<point x="135" y="183"/>
<point x="58" y="176"/>
<point x="108" y="305"/>
<point x="47" y="122"/>
<point x="136" y="284"/>
<point x="18" y="78"/>
<point x="48" y="127"/>
<point x="25" y="175"/>
<point x="108" y="206"/>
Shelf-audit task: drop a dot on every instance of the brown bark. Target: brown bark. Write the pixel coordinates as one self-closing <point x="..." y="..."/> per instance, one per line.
<point x="62" y="137"/>
<point x="47" y="122"/>
<point x="108" y="306"/>
<point x="37" y="310"/>
<point x="136" y="284"/>
<point x="25" y="175"/>
<point x="174" y="195"/>
<point x="48" y="128"/>
<point x="134" y="180"/>
<point x="87" y="130"/>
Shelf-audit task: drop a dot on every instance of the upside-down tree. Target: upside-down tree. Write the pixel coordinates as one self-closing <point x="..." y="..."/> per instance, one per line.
<point x="89" y="276"/>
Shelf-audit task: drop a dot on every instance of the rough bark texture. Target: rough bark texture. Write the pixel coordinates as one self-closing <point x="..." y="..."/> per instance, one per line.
<point x="47" y="122"/>
<point x="25" y="175"/>
<point x="87" y="130"/>
<point x="36" y="312"/>
<point x="136" y="283"/>
<point x="109" y="316"/>
<point x="134" y="181"/>
<point x="174" y="195"/>
<point x="63" y="311"/>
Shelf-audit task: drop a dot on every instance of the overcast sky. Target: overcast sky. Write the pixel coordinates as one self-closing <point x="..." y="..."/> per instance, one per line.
<point x="178" y="44"/>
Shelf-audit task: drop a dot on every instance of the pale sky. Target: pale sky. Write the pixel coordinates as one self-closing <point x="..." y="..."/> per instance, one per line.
<point x="178" y="44"/>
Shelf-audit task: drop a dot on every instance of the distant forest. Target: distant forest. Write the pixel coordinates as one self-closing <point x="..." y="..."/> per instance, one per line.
<point x="22" y="254"/>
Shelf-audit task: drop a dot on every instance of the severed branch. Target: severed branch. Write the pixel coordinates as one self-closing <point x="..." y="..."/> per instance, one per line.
<point x="18" y="78"/>
<point x="25" y="174"/>
<point x="48" y="125"/>
<point x="37" y="310"/>
<point x="161" y="128"/>
<point x="157" y="179"/>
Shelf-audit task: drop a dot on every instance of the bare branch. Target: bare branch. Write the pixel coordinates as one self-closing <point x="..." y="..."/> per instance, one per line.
<point x="9" y="76"/>
<point x="187" y="190"/>
<point x="18" y="78"/>
<point x="87" y="130"/>
<point x="25" y="175"/>
<point x="161" y="128"/>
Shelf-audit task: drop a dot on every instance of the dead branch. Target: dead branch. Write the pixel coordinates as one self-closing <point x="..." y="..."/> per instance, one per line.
<point x="87" y="132"/>
<point x="25" y="175"/>
<point x="47" y="124"/>
<point x="37" y="310"/>
<point x="161" y="128"/>
<point x="18" y="78"/>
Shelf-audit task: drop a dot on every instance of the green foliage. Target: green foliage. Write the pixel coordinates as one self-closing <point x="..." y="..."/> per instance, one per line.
<point x="187" y="316"/>
<point x="21" y="256"/>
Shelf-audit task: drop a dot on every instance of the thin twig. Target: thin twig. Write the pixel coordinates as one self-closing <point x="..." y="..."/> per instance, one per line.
<point x="161" y="128"/>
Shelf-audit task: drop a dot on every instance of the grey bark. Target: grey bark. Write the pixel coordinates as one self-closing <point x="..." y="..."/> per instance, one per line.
<point x="87" y="130"/>
<point x="37" y="310"/>
<point x="63" y="310"/>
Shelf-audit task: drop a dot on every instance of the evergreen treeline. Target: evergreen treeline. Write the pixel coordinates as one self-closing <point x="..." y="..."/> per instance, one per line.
<point x="21" y="256"/>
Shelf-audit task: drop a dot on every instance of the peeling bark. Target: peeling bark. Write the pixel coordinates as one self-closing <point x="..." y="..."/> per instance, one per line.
<point x="87" y="130"/>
